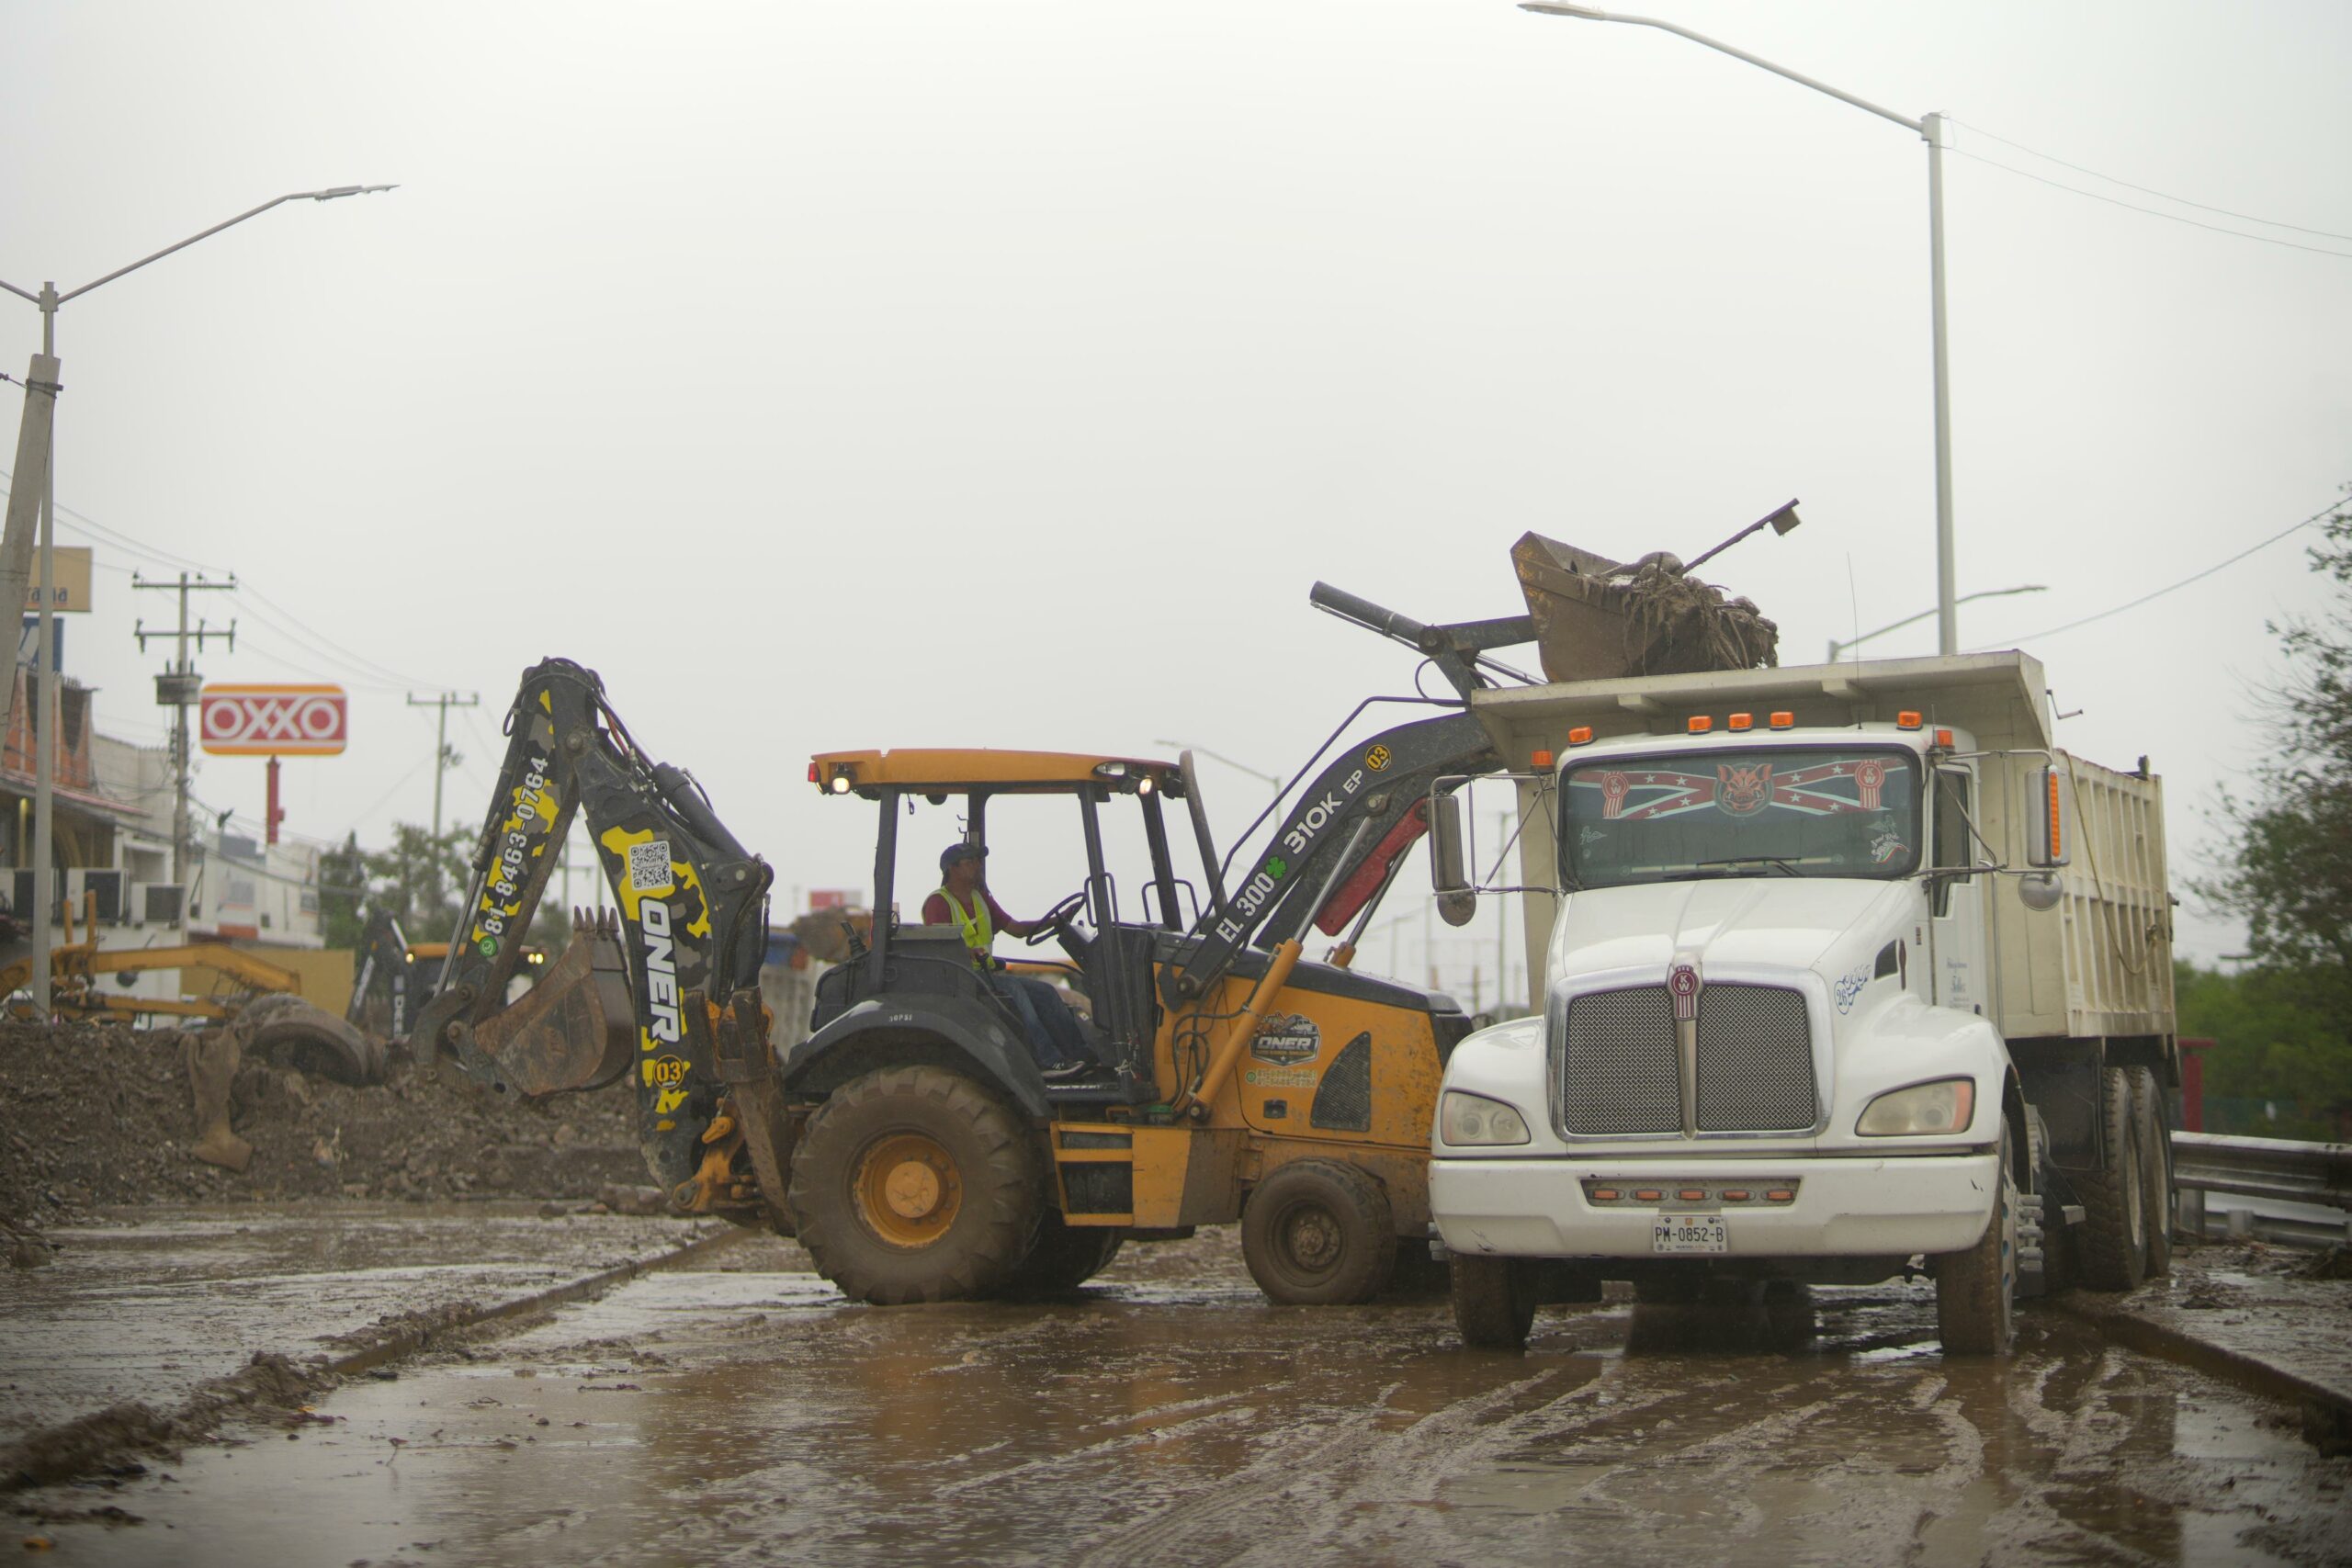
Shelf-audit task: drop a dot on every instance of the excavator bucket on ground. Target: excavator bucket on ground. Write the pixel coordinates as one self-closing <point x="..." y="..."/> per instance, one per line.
<point x="576" y="1028"/>
<point x="287" y="1029"/>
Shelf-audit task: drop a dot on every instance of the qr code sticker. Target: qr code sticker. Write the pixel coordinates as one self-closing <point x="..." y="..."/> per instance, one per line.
<point x="649" y="867"/>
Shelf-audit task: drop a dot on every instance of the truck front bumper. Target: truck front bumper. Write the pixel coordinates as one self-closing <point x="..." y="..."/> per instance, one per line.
<point x="1844" y="1208"/>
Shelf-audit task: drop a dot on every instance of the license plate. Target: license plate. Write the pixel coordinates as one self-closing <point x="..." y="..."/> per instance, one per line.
<point x="1689" y="1233"/>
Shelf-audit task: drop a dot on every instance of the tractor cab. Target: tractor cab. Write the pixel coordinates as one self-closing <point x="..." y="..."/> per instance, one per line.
<point x="1078" y="843"/>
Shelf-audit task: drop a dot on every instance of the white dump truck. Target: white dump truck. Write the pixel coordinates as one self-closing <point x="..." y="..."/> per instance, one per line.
<point x="1839" y="972"/>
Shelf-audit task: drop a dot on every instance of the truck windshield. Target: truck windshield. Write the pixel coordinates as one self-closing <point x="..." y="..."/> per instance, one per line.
<point x="1788" y="811"/>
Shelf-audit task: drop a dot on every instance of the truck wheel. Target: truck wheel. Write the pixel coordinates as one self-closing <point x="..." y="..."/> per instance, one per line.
<point x="1976" y="1290"/>
<point x="1063" y="1257"/>
<point x="1319" y="1233"/>
<point x="914" y="1184"/>
<point x="2155" y="1168"/>
<point x="2114" y="1233"/>
<point x="1494" y="1301"/>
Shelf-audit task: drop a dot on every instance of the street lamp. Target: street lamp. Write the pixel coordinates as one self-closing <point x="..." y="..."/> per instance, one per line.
<point x="1837" y="648"/>
<point x="1930" y="128"/>
<point x="45" y="712"/>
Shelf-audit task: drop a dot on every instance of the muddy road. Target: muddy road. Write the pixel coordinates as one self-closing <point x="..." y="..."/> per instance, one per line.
<point x="739" y="1411"/>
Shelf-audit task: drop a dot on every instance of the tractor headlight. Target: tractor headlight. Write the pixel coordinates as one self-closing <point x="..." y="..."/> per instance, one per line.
<point x="1465" y="1120"/>
<point x="1944" y="1106"/>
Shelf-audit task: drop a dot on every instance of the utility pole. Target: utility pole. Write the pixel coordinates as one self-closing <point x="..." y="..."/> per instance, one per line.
<point x="445" y="702"/>
<point x="177" y="688"/>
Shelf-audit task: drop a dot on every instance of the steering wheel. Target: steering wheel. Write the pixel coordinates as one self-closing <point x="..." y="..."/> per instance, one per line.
<point x="1056" y="921"/>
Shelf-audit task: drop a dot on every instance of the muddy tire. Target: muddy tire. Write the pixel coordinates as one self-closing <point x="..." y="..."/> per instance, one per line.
<point x="915" y="1184"/>
<point x="1494" y="1301"/>
<point x="1319" y="1233"/>
<point x="1063" y="1257"/>
<point x="2155" y="1168"/>
<point x="2111" y="1244"/>
<point x="1976" y="1290"/>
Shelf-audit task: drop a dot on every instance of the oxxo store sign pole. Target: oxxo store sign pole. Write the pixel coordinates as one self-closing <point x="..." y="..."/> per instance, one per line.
<point x="272" y="722"/>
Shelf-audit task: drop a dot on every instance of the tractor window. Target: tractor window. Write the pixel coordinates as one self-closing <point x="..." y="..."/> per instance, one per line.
<point x="1955" y="846"/>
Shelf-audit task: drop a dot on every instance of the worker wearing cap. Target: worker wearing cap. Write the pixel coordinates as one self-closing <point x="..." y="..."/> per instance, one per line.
<point x="964" y="900"/>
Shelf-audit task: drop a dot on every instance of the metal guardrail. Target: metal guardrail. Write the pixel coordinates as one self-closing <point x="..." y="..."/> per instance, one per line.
<point x="2288" y="1188"/>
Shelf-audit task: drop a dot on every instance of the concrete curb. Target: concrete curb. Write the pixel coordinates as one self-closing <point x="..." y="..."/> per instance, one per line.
<point x="275" y="1381"/>
<point x="2327" y="1412"/>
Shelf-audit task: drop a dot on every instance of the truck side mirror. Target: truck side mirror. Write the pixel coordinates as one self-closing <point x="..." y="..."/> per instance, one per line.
<point x="1456" y="900"/>
<point x="2051" y="828"/>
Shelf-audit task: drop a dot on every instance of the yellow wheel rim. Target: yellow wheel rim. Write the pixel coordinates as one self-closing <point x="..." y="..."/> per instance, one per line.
<point x="908" y="1189"/>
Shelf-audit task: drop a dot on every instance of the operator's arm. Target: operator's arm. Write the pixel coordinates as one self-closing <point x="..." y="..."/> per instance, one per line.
<point x="1005" y="922"/>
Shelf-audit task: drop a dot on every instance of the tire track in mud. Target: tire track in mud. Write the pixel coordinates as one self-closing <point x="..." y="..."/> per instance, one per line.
<point x="1202" y="1527"/>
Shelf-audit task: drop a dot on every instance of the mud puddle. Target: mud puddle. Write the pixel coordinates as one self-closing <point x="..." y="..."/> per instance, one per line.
<point x="740" y="1416"/>
<point x="147" y="1308"/>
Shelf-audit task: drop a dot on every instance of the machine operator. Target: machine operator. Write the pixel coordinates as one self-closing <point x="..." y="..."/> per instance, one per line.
<point x="964" y="900"/>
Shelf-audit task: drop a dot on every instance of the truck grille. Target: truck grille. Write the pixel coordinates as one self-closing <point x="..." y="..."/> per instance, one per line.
<point x="1755" y="1060"/>
<point x="1614" y="1062"/>
<point x="1620" y="1074"/>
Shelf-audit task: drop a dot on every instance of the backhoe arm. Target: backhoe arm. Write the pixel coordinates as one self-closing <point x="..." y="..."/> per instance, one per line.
<point x="666" y="991"/>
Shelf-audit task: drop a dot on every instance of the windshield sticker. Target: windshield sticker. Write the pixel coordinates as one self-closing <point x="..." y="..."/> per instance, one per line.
<point x="1742" y="792"/>
<point x="1886" y="844"/>
<point x="1823" y="789"/>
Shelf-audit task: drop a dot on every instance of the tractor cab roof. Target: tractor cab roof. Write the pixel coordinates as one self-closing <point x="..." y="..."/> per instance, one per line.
<point x="967" y="771"/>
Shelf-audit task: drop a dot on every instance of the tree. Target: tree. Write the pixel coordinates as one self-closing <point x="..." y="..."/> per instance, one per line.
<point x="420" y="879"/>
<point x="2288" y="864"/>
<point x="342" y="890"/>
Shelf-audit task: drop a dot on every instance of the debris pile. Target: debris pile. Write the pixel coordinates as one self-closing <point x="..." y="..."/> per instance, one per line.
<point x="100" y="1114"/>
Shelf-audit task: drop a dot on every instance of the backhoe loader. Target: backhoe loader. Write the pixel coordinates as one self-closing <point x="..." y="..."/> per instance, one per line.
<point x="910" y="1141"/>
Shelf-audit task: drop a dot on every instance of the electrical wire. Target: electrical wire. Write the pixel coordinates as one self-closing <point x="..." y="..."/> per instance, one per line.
<point x="2153" y="212"/>
<point x="2326" y="511"/>
<point x="2144" y="190"/>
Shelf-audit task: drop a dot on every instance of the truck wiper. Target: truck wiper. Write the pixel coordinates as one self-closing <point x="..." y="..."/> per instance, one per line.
<point x="1786" y="866"/>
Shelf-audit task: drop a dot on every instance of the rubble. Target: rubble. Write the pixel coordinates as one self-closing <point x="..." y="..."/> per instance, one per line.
<point x="99" y="1114"/>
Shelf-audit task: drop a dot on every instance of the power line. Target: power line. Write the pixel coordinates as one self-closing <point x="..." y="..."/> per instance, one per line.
<point x="2328" y="510"/>
<point x="2153" y="212"/>
<point x="2144" y="190"/>
<point x="297" y="630"/>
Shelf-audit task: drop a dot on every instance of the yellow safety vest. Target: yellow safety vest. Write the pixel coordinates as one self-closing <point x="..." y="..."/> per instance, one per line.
<point x="979" y="933"/>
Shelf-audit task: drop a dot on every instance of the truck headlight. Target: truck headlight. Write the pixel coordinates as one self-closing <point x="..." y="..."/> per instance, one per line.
<point x="1944" y="1106"/>
<point x="1465" y="1120"/>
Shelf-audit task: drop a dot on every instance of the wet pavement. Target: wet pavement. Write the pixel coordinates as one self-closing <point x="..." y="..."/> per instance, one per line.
<point x="147" y="1307"/>
<point x="740" y="1412"/>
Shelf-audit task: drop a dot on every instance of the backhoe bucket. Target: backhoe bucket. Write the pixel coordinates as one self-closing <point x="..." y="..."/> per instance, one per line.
<point x="576" y="1028"/>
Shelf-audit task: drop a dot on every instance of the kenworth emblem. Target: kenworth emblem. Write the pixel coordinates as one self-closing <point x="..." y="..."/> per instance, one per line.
<point x="1682" y="984"/>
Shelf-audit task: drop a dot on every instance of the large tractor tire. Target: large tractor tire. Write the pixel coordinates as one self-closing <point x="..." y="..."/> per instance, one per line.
<point x="1063" y="1257"/>
<point x="2155" y="1168"/>
<point x="2112" y="1241"/>
<point x="1976" y="1290"/>
<point x="915" y="1184"/>
<point x="1494" y="1301"/>
<point x="1316" y="1233"/>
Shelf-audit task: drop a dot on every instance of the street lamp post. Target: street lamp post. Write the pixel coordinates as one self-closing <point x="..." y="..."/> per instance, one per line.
<point x="1931" y="130"/>
<point x="45" y="709"/>
<point x="1837" y="648"/>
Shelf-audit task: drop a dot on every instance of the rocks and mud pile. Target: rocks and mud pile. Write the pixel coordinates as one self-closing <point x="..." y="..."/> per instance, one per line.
<point x="99" y="1114"/>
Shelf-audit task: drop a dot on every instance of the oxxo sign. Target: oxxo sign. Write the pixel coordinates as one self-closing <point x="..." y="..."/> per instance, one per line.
<point x="273" y="721"/>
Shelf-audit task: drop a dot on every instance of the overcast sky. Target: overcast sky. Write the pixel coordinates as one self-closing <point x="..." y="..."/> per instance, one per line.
<point x="947" y="374"/>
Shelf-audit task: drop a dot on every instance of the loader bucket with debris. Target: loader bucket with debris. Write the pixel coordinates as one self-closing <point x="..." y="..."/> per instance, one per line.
<point x="576" y="1027"/>
<point x="1596" y="619"/>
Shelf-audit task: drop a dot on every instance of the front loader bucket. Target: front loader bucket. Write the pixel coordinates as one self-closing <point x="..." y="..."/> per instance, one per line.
<point x="576" y="1028"/>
